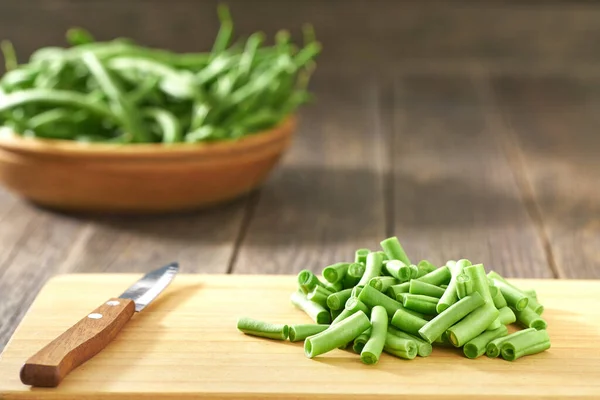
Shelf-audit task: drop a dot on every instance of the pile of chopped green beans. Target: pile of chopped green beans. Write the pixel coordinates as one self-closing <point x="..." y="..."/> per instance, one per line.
<point x="121" y="92"/>
<point x="381" y="302"/>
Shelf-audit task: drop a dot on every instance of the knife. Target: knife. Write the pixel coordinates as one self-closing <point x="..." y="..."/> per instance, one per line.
<point x="85" y="339"/>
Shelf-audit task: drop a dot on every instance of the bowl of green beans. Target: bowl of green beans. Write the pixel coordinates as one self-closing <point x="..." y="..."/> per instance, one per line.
<point x="117" y="126"/>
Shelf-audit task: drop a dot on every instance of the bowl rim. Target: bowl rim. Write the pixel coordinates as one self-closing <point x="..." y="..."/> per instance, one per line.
<point x="60" y="147"/>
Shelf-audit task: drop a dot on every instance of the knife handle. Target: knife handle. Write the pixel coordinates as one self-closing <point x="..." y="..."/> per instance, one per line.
<point x="82" y="341"/>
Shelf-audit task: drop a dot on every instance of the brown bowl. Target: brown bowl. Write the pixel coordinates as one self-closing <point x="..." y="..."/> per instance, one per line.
<point x="140" y="178"/>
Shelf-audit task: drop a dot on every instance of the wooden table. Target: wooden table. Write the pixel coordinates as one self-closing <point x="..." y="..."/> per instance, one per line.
<point x="458" y="158"/>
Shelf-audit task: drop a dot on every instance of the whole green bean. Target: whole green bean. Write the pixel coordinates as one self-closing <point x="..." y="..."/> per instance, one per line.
<point x="374" y="346"/>
<point x="336" y="335"/>
<point x="315" y="311"/>
<point x="394" y="251"/>
<point x="254" y="327"/>
<point x="450" y="296"/>
<point x="302" y="331"/>
<point x="169" y="124"/>
<point x="476" y="347"/>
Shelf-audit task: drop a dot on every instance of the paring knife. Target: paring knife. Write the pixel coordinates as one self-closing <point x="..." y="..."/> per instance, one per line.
<point x="85" y="339"/>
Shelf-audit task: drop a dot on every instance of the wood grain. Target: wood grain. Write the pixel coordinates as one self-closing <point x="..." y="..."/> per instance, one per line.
<point x="185" y="345"/>
<point x="454" y="194"/>
<point x="49" y="366"/>
<point x="551" y="125"/>
<point x="326" y="199"/>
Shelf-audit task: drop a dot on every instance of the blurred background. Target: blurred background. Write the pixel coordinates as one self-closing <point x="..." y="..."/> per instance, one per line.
<point x="467" y="128"/>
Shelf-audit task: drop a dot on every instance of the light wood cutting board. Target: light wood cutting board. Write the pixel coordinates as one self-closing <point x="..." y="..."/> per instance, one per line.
<point x="185" y="345"/>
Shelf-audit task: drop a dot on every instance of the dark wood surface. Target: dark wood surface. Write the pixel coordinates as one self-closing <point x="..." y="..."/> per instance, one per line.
<point x="468" y="131"/>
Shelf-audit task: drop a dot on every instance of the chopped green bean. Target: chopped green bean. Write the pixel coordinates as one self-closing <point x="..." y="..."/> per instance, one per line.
<point x="315" y="311"/>
<point x="473" y="324"/>
<point x="494" y="347"/>
<point x="395" y="290"/>
<point x="263" y="329"/>
<point x="394" y="251"/>
<point x="336" y="335"/>
<point x="307" y="281"/>
<point x="335" y="273"/>
<point x="443" y="321"/>
<point x="360" y="256"/>
<point x="398" y="270"/>
<point x="419" y="287"/>
<point x="400" y="347"/>
<point x="372" y="297"/>
<point x="420" y="303"/>
<point x="372" y="268"/>
<point x="514" y="297"/>
<point x="498" y="298"/>
<point x="360" y="341"/>
<point x="425" y="267"/>
<point x="319" y="295"/>
<point x="479" y="279"/>
<point x="451" y="263"/>
<point x="407" y="322"/>
<point x="353" y="304"/>
<point x="534" y="305"/>
<point x="335" y="313"/>
<point x="336" y="301"/>
<point x="356" y="270"/>
<point x="530" y="293"/>
<point x="507" y="316"/>
<point x="464" y="286"/>
<point x="476" y="347"/>
<point x="383" y="283"/>
<point x="440" y="276"/>
<point x="302" y="331"/>
<point x="450" y="296"/>
<point x="529" y="319"/>
<point x="334" y="287"/>
<point x="532" y="342"/>
<point x="356" y="291"/>
<point x="424" y="349"/>
<point x="374" y="346"/>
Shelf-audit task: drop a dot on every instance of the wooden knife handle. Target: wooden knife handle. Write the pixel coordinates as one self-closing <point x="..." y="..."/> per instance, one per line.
<point x="82" y="341"/>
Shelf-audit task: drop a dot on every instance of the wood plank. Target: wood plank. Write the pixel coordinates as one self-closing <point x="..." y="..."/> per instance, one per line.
<point x="454" y="193"/>
<point x="185" y="345"/>
<point x="37" y="244"/>
<point x="327" y="199"/>
<point x="552" y="126"/>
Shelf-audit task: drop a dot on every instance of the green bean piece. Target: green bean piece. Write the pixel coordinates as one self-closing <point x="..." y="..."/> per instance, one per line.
<point x="10" y="57"/>
<point x="420" y="303"/>
<point x="336" y="335"/>
<point x="464" y="286"/>
<point x="476" y="347"/>
<point x="356" y="291"/>
<point x="450" y="296"/>
<point x="507" y="316"/>
<point x="360" y="341"/>
<point x="372" y="268"/>
<point x="440" y="276"/>
<point x="419" y="287"/>
<point x="119" y="104"/>
<point x="394" y="251"/>
<point x="479" y="279"/>
<point x="302" y="331"/>
<point x="356" y="270"/>
<point x="350" y="280"/>
<point x="414" y="271"/>
<point x="529" y="319"/>
<point x="353" y="304"/>
<point x="307" y="281"/>
<point x="360" y="256"/>
<point x="383" y="283"/>
<point x="514" y="297"/>
<point x="532" y="342"/>
<point x="451" y="263"/>
<point x="372" y="297"/>
<point x="425" y="267"/>
<point x="433" y="329"/>
<point x="407" y="322"/>
<point x="319" y="295"/>
<point x="400" y="347"/>
<point x="424" y="349"/>
<point x="79" y="36"/>
<point x="529" y="293"/>
<point x="534" y="305"/>
<point x="335" y="273"/>
<point x="395" y="290"/>
<point x="498" y="298"/>
<point x="494" y="347"/>
<point x="473" y="324"/>
<point x="398" y="270"/>
<point x="336" y="301"/>
<point x="334" y="287"/>
<point x="314" y="310"/>
<point x="374" y="346"/>
<point x="169" y="124"/>
<point x="254" y="327"/>
<point x="335" y="314"/>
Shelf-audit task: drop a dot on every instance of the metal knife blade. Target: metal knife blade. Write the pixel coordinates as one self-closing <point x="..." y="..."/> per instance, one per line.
<point x="151" y="285"/>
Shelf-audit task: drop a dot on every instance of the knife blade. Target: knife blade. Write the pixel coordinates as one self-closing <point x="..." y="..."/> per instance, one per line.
<point x="49" y="366"/>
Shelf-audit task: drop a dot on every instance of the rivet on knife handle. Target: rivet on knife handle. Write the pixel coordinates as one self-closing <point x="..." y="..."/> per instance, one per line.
<point x="78" y="344"/>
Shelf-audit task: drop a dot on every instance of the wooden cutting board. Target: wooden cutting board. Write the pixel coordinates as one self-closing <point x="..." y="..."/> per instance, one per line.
<point x="185" y="345"/>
